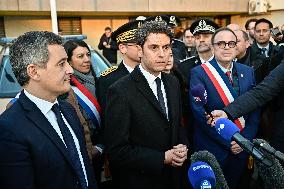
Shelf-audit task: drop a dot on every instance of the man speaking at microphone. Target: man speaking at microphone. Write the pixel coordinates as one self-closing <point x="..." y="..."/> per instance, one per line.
<point x="224" y="80"/>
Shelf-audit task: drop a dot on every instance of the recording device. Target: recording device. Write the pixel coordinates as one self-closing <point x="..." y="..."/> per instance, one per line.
<point x="201" y="176"/>
<point x="273" y="176"/>
<point x="276" y="31"/>
<point x="199" y="94"/>
<point x="262" y="144"/>
<point x="210" y="159"/>
<point x="229" y="131"/>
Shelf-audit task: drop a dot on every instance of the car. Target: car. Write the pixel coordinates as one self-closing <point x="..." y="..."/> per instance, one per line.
<point x="9" y="87"/>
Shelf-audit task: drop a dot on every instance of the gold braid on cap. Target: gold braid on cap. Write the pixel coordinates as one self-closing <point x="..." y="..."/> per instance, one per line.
<point x="126" y="36"/>
<point x="202" y="26"/>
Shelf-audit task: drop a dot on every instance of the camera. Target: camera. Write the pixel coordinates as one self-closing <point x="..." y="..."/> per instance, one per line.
<point x="276" y="31"/>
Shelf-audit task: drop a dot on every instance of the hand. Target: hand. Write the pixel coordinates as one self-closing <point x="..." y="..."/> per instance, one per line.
<point x="235" y="148"/>
<point x="180" y="155"/>
<point x="169" y="157"/>
<point x="104" y="43"/>
<point x="217" y="114"/>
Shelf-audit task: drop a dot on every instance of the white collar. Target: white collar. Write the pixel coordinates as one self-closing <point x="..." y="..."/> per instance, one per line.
<point x="267" y="46"/>
<point x="149" y="77"/>
<point x="224" y="69"/>
<point x="43" y="105"/>
<point x="203" y="61"/>
<point x="129" y="69"/>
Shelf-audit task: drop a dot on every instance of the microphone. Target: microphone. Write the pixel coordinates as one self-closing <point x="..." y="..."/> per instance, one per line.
<point x="199" y="94"/>
<point x="273" y="176"/>
<point x="201" y="176"/>
<point x="265" y="146"/>
<point x="210" y="159"/>
<point x="229" y="131"/>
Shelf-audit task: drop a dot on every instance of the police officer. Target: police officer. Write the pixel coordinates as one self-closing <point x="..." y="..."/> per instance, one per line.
<point x="126" y="40"/>
<point x="178" y="47"/>
<point x="202" y="31"/>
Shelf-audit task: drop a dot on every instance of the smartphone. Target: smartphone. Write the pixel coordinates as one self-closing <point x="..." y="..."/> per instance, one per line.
<point x="276" y="31"/>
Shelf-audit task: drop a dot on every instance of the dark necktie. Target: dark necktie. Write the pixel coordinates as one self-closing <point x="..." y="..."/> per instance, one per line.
<point x="160" y="95"/>
<point x="71" y="147"/>
<point x="263" y="51"/>
<point x="228" y="74"/>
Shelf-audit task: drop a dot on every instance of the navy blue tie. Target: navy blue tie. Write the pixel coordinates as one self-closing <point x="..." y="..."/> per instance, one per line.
<point x="160" y="95"/>
<point x="263" y="51"/>
<point x="71" y="147"/>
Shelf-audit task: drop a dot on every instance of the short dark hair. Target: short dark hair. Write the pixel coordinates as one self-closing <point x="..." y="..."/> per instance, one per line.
<point x="107" y="28"/>
<point x="70" y="45"/>
<point x="220" y="30"/>
<point x="263" y="20"/>
<point x="152" y="27"/>
<point x="31" y="48"/>
<point x="249" y="21"/>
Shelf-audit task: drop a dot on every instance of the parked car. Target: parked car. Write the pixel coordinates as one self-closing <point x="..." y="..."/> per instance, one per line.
<point x="9" y="87"/>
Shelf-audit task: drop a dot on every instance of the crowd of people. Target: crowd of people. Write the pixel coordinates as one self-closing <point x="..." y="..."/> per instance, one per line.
<point x="136" y="125"/>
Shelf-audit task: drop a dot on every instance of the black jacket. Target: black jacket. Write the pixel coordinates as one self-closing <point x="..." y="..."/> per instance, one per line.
<point x="137" y="132"/>
<point x="109" y="53"/>
<point x="272" y="86"/>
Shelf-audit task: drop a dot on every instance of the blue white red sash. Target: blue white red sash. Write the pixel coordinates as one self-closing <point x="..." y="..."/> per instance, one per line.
<point x="87" y="101"/>
<point x="222" y="90"/>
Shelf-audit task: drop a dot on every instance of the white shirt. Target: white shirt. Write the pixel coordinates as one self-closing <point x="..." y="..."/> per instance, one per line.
<point x="129" y="69"/>
<point x="266" y="47"/>
<point x="45" y="108"/>
<point x="203" y="61"/>
<point x="152" y="84"/>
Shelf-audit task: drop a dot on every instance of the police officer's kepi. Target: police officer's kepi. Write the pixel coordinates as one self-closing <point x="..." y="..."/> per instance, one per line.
<point x="171" y="20"/>
<point x="203" y="26"/>
<point x="126" y="33"/>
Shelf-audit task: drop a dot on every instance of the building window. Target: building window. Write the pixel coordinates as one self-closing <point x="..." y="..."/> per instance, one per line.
<point x="2" y="27"/>
<point x="69" y="25"/>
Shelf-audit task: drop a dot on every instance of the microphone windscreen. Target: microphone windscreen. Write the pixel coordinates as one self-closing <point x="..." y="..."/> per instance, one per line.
<point x="226" y="128"/>
<point x="199" y="94"/>
<point x="272" y="176"/>
<point x="200" y="171"/>
<point x="210" y="159"/>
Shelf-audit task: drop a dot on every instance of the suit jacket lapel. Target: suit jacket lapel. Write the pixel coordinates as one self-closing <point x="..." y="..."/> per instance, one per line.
<point x="76" y="127"/>
<point x="40" y="121"/>
<point x="144" y="88"/>
<point x="214" y="63"/>
<point x="171" y="95"/>
<point x="241" y="78"/>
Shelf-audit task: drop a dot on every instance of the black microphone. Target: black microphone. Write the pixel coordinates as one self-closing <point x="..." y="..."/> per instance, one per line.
<point x="229" y="131"/>
<point x="210" y="159"/>
<point x="265" y="146"/>
<point x="199" y="94"/>
<point x="273" y="176"/>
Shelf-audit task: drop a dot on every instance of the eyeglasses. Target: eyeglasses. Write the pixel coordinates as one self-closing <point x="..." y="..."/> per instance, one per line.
<point x="223" y="44"/>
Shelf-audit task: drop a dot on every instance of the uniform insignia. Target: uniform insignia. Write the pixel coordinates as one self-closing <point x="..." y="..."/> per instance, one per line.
<point x="188" y="58"/>
<point x="108" y="71"/>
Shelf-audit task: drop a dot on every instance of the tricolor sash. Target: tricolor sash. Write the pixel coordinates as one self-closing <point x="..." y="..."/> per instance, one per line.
<point x="87" y="101"/>
<point x="222" y="89"/>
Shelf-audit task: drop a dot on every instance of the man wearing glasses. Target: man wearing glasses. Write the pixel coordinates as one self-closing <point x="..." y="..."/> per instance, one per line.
<point x="224" y="80"/>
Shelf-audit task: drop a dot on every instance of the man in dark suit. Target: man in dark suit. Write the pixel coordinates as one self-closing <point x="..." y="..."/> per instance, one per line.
<point x="224" y="80"/>
<point x="144" y="139"/>
<point x="41" y="140"/>
<point x="124" y="36"/>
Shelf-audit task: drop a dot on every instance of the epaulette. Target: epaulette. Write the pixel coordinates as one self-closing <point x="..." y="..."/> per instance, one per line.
<point x="109" y="70"/>
<point x="188" y="58"/>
